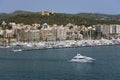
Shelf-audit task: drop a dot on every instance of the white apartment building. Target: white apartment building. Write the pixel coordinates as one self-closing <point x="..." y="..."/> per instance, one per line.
<point x="61" y="33"/>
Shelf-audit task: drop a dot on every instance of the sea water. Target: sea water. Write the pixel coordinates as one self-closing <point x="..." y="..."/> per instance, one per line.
<point x="53" y="64"/>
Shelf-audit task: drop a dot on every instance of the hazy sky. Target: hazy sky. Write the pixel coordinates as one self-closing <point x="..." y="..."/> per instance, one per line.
<point x="62" y="6"/>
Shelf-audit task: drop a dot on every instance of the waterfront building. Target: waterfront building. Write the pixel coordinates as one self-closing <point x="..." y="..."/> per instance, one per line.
<point x="50" y="37"/>
<point x="27" y="36"/>
<point x="61" y="33"/>
<point x="34" y="35"/>
<point x="44" y="31"/>
<point x="118" y="29"/>
<point x="44" y="34"/>
<point x="22" y="35"/>
<point x="102" y="31"/>
<point x="70" y="35"/>
<point x="12" y="25"/>
<point x="114" y="30"/>
<point x="106" y="30"/>
<point x="1" y="32"/>
<point x="8" y="33"/>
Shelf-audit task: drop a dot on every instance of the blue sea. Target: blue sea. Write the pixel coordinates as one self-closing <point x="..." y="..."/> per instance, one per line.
<point x="53" y="64"/>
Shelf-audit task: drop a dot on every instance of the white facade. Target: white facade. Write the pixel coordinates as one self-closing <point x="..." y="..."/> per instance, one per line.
<point x="118" y="29"/>
<point x="61" y="33"/>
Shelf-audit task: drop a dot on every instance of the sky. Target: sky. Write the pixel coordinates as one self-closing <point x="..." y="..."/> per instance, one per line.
<point x="62" y="6"/>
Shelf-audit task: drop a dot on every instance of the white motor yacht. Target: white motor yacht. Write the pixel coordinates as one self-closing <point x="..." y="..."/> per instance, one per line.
<point x="80" y="58"/>
<point x="17" y="50"/>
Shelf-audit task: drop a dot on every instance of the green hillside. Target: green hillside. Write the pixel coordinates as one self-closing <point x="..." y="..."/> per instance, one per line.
<point x="57" y="18"/>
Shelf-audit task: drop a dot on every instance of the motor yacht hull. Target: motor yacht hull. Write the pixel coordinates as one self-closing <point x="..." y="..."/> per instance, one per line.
<point x="80" y="58"/>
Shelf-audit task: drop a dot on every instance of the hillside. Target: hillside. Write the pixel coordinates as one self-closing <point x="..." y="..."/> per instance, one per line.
<point x="7" y="15"/>
<point x="60" y="18"/>
<point x="99" y="16"/>
<point x="3" y="15"/>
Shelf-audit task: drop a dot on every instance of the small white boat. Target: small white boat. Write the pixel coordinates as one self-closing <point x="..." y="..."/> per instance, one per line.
<point x="17" y="50"/>
<point x="80" y="58"/>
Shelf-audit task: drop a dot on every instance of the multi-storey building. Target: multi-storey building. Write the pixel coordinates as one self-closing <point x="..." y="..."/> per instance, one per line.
<point x="61" y="33"/>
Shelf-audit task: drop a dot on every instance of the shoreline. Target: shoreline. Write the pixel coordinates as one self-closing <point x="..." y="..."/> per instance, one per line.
<point x="69" y="47"/>
<point x="24" y="46"/>
<point x="57" y="48"/>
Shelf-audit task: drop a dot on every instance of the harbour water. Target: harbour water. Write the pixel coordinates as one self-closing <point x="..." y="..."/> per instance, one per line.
<point x="53" y="64"/>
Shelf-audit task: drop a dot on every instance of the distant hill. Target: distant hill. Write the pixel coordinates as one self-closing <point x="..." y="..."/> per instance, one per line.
<point x="18" y="12"/>
<point x="99" y="16"/>
<point x="3" y="15"/>
<point x="96" y="16"/>
<point x="87" y="19"/>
